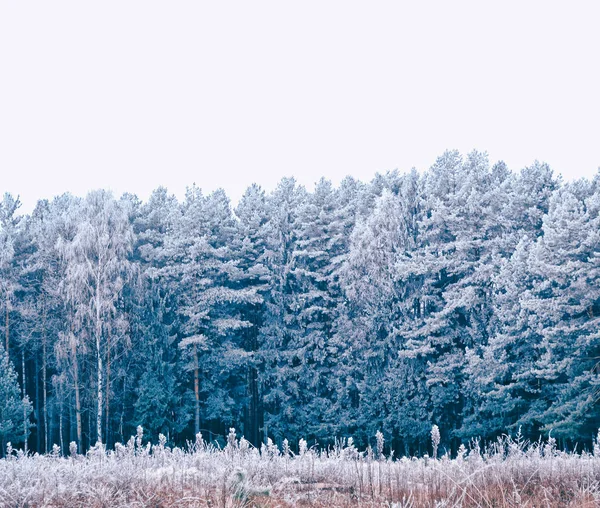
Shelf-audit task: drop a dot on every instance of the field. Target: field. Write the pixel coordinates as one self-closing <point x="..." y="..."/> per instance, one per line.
<point x="508" y="473"/>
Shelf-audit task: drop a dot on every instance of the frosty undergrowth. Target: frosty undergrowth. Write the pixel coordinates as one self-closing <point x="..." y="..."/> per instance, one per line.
<point x="509" y="472"/>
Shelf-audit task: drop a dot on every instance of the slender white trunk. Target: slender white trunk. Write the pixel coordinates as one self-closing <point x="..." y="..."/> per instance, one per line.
<point x="45" y="395"/>
<point x="100" y="395"/>
<point x="77" y="396"/>
<point x="24" y="406"/>
<point x="60" y="426"/>
<point x="7" y="322"/>
<point x="107" y="391"/>
<point x="44" y="386"/>
<point x="99" y="358"/>
<point x="197" y="389"/>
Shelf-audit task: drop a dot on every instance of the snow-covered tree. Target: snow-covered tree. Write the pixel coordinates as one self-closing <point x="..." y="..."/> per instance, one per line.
<point x="97" y="269"/>
<point x="565" y="303"/>
<point x="211" y="303"/>
<point x="465" y="296"/>
<point x="13" y="407"/>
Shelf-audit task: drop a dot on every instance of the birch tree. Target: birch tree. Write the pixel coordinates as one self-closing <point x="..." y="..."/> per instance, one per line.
<point x="9" y="222"/>
<point x="97" y="269"/>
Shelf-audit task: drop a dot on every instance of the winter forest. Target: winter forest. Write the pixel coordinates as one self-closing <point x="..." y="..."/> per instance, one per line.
<point x="466" y="296"/>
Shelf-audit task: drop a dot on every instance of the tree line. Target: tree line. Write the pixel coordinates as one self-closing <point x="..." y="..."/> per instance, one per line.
<point x="466" y="296"/>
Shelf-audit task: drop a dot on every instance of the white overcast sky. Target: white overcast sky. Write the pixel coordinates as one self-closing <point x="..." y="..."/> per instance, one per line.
<point x="130" y="95"/>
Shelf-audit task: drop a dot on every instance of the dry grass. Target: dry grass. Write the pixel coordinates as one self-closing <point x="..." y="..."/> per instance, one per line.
<point x="508" y="474"/>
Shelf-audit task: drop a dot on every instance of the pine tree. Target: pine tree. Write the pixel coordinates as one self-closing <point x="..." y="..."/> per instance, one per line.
<point x="254" y="258"/>
<point x="211" y="305"/>
<point x="318" y="250"/>
<point x="157" y="399"/>
<point x="382" y="295"/>
<point x="465" y="297"/>
<point x="566" y="303"/>
<point x="499" y="375"/>
<point x="278" y="332"/>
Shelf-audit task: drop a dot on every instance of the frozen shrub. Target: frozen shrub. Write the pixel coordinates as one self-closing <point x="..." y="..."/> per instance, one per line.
<point x="159" y="449"/>
<point x="232" y="443"/>
<point x="231" y="438"/>
<point x="435" y="439"/>
<point x="286" y="449"/>
<point x="272" y="449"/>
<point x="237" y="483"/>
<point x="73" y="449"/>
<point x="120" y="450"/>
<point x="343" y="477"/>
<point x="240" y="487"/>
<point x="244" y="446"/>
<point x="550" y="446"/>
<point x="380" y="441"/>
<point x="139" y="437"/>
<point x="461" y="453"/>
<point x="517" y="445"/>
<point x="95" y="452"/>
<point x="162" y="440"/>
<point x="199" y="443"/>
<point x="302" y="447"/>
<point x="131" y="445"/>
<point x="350" y="452"/>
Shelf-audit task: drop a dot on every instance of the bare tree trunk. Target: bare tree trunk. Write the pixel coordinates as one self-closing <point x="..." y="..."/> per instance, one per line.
<point x="197" y="388"/>
<point x="99" y="360"/>
<point x="72" y="428"/>
<point x="77" y="397"/>
<point x="255" y="403"/>
<point x="90" y="421"/>
<point x="44" y="374"/>
<point x="7" y="322"/>
<point x="254" y="392"/>
<point x="38" y="416"/>
<point x="100" y="394"/>
<point x="121" y="426"/>
<point x="51" y="425"/>
<point x="25" y="427"/>
<point x="60" y="425"/>
<point x="107" y="417"/>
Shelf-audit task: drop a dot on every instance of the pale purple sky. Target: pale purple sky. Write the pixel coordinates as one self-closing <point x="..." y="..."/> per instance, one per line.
<point x="130" y="95"/>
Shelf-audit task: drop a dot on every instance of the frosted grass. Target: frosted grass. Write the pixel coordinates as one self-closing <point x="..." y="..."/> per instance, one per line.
<point x="507" y="473"/>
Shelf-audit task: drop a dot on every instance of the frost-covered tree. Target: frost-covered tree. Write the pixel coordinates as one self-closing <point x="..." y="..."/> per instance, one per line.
<point x="312" y="357"/>
<point x="565" y="303"/>
<point x="279" y="332"/>
<point x="13" y="407"/>
<point x="211" y="303"/>
<point x="382" y="294"/>
<point x="465" y="296"/>
<point x="255" y="256"/>
<point x="97" y="269"/>
<point x="9" y="225"/>
<point x="499" y="374"/>
<point x="158" y="400"/>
